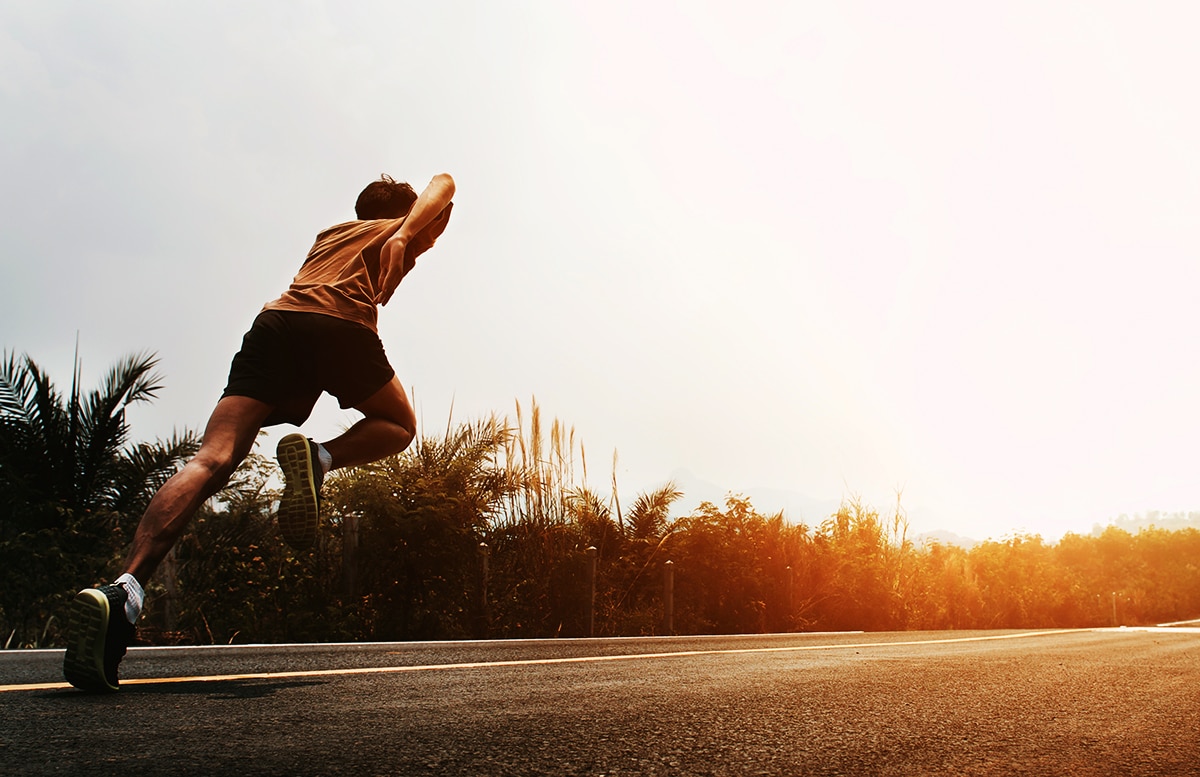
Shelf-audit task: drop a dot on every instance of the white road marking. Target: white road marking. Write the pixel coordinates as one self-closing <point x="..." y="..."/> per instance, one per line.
<point x="544" y="661"/>
<point x="1161" y="629"/>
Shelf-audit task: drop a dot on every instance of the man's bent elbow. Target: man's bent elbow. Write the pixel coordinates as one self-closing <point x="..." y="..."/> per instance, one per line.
<point x="446" y="182"/>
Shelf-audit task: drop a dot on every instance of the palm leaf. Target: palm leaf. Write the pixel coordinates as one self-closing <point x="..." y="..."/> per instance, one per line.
<point x="101" y="430"/>
<point x="649" y="513"/>
<point x="143" y="469"/>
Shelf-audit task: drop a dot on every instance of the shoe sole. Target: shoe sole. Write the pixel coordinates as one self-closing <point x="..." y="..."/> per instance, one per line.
<point x="83" y="665"/>
<point x="298" y="507"/>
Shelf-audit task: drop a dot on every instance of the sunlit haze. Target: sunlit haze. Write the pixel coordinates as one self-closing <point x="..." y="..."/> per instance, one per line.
<point x="800" y="251"/>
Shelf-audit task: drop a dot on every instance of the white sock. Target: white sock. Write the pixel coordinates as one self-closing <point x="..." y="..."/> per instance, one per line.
<point x="133" y="602"/>
<point x="325" y="458"/>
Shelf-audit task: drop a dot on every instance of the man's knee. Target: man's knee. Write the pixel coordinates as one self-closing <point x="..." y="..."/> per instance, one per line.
<point x="401" y="431"/>
<point x="391" y="404"/>
<point x="407" y="420"/>
<point x="216" y="467"/>
<point x="228" y="438"/>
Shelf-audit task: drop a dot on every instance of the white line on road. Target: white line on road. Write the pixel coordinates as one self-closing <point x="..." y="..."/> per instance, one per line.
<point x="540" y="661"/>
<point x="1160" y="629"/>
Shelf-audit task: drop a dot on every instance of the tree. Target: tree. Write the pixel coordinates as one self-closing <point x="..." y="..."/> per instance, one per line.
<point x="863" y="569"/>
<point x="721" y="584"/>
<point x="421" y="516"/>
<point x="72" y="486"/>
<point x="630" y="577"/>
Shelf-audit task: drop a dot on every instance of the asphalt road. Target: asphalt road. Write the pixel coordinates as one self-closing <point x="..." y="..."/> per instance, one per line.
<point x="1107" y="702"/>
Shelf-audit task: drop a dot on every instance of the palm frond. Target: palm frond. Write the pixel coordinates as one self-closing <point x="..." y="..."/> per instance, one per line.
<point x="16" y="388"/>
<point x="140" y="471"/>
<point x="99" y="421"/>
<point x="649" y="514"/>
<point x="586" y="505"/>
<point x="69" y="449"/>
<point x="48" y="457"/>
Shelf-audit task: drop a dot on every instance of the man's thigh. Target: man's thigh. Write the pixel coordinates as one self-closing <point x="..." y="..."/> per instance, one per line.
<point x="233" y="427"/>
<point x="390" y="402"/>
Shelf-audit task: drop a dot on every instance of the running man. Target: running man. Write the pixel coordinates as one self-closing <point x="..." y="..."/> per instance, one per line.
<point x="319" y="336"/>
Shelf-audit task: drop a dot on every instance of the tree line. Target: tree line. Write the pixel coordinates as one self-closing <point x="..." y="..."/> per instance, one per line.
<point x="491" y="530"/>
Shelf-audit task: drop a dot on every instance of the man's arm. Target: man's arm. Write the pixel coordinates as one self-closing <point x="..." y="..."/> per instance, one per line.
<point x="433" y="205"/>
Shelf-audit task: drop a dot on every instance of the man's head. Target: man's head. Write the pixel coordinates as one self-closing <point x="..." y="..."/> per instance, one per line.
<point x="385" y="199"/>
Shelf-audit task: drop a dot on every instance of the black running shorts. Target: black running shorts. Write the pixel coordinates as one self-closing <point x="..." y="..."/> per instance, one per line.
<point x="288" y="358"/>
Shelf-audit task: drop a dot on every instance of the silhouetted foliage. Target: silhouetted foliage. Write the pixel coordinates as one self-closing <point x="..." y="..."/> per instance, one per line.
<point x="421" y="517"/>
<point x="237" y="582"/>
<point x="487" y="531"/>
<point x="72" y="486"/>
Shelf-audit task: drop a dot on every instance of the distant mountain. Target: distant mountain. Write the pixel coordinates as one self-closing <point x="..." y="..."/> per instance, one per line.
<point x="943" y="537"/>
<point x="796" y="507"/>
<point x="1160" y="520"/>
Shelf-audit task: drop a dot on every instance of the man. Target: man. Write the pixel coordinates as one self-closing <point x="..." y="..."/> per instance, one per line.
<point x="320" y="335"/>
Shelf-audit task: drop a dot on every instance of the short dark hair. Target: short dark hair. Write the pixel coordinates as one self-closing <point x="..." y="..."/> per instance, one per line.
<point x="386" y="198"/>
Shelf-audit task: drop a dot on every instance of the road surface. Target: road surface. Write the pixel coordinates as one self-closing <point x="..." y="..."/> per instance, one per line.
<point x="1081" y="702"/>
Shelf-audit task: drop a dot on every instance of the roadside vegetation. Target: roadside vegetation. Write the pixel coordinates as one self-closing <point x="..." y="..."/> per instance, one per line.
<point x="486" y="530"/>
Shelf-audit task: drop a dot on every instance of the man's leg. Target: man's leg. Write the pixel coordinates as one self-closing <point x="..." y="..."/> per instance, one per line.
<point x="227" y="440"/>
<point x="388" y="428"/>
<point x="101" y="619"/>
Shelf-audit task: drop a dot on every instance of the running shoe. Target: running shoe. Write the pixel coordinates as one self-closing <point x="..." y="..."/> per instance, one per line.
<point x="300" y="504"/>
<point x="98" y="634"/>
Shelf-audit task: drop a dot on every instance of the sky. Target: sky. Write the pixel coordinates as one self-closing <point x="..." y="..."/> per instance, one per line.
<point x="936" y="252"/>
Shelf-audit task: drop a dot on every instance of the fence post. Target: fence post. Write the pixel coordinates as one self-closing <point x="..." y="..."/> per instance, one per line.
<point x="485" y="616"/>
<point x="791" y="606"/>
<point x="669" y="598"/>
<point x="350" y="554"/>
<point x="170" y="578"/>
<point x="591" y="575"/>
